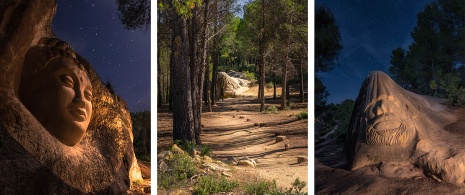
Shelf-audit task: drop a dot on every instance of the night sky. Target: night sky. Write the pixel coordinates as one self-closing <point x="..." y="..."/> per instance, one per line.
<point x="118" y="55"/>
<point x="369" y="30"/>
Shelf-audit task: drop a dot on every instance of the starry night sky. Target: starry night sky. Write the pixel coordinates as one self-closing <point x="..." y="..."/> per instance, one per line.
<point x="369" y="30"/>
<point x="118" y="55"/>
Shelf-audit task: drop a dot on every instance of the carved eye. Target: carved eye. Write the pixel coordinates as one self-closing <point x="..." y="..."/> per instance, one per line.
<point x="67" y="80"/>
<point x="88" y="94"/>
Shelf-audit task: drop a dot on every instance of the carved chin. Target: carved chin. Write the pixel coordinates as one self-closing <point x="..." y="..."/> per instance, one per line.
<point x="381" y="135"/>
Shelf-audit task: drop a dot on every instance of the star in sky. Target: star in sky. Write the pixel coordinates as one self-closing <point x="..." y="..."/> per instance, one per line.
<point x="369" y="30"/>
<point x="118" y="55"/>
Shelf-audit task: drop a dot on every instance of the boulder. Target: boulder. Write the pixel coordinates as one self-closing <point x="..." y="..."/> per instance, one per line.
<point x="393" y="126"/>
<point x="35" y="162"/>
<point x="231" y="86"/>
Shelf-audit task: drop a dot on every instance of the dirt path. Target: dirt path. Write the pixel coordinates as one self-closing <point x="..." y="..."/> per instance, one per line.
<point x="229" y="130"/>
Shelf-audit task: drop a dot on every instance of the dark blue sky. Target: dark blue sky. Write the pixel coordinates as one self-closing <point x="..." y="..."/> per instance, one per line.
<point x="370" y="30"/>
<point x="122" y="56"/>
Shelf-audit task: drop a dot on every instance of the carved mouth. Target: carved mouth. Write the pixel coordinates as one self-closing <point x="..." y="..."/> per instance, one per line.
<point x="386" y="129"/>
<point x="78" y="114"/>
<point x="384" y="124"/>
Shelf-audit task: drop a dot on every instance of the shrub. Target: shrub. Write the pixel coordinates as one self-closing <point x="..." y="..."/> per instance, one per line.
<point x="211" y="184"/>
<point x="271" y="109"/>
<point x="303" y="115"/>
<point x="270" y="187"/>
<point x="206" y="150"/>
<point x="180" y="169"/>
<point x="262" y="187"/>
<point x="249" y="76"/>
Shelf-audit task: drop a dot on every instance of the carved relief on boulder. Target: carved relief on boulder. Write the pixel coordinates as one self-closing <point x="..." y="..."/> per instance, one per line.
<point x="35" y="158"/>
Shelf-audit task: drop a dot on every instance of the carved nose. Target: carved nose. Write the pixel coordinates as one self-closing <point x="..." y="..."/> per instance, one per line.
<point x="78" y="98"/>
<point x="381" y="107"/>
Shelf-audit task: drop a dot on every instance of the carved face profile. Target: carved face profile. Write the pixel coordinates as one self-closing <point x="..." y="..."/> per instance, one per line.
<point x="387" y="116"/>
<point x="59" y="96"/>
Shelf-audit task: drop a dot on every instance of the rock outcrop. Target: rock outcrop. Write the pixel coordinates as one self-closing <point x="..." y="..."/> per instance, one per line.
<point x="230" y="85"/>
<point x="33" y="161"/>
<point x="397" y="130"/>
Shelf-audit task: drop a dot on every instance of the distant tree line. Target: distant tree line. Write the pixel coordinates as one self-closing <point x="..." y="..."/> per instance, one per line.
<point x="141" y="132"/>
<point x="434" y="62"/>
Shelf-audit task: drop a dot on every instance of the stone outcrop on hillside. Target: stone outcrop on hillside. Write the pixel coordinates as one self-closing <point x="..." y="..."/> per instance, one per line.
<point x="230" y="85"/>
<point x="398" y="131"/>
<point x="32" y="160"/>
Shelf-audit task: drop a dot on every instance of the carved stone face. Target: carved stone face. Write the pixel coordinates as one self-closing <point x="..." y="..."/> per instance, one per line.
<point x="59" y="96"/>
<point x="387" y="117"/>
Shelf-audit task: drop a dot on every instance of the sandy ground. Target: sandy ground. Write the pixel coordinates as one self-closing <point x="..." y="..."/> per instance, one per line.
<point x="229" y="130"/>
<point x="339" y="181"/>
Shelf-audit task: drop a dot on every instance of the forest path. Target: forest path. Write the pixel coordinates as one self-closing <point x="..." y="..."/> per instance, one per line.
<point x="229" y="130"/>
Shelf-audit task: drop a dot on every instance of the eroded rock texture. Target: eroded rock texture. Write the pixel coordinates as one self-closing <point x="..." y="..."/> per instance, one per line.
<point x="31" y="160"/>
<point x="400" y="131"/>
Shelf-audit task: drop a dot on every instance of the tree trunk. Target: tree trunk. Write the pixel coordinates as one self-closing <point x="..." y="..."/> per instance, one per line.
<point x="195" y="73"/>
<point x="274" y="87"/>
<point x="284" y="82"/>
<point x="183" y="117"/>
<point x="215" y="57"/>
<point x="301" y="76"/>
<point x="159" y="88"/>
<point x="262" y="46"/>
<point x="204" y="61"/>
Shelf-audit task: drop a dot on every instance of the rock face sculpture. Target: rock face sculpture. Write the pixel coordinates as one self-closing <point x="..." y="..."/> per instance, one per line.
<point x="55" y="88"/>
<point x="400" y="131"/>
<point x="35" y="158"/>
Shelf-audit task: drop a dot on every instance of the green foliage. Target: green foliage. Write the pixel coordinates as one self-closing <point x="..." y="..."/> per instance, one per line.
<point x="303" y="115"/>
<point x="271" y="110"/>
<point x="206" y="150"/>
<point x="211" y="184"/>
<point x="334" y="117"/>
<point x="189" y="147"/>
<point x="270" y="187"/>
<point x="141" y="132"/>
<point x="180" y="169"/>
<point x="327" y="40"/>
<point x="436" y="52"/>
<point x="249" y="76"/>
<point x="270" y="85"/>
<point x="134" y="14"/>
<point x="261" y="187"/>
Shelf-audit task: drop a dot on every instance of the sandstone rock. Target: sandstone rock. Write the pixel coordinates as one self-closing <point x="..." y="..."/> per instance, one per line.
<point x="164" y="155"/>
<point x="246" y="161"/>
<point x="256" y="124"/>
<point x="226" y="174"/>
<point x="206" y="159"/>
<point x="177" y="150"/>
<point x="231" y="86"/>
<point x="35" y="162"/>
<point x="280" y="138"/>
<point x="301" y="159"/>
<point x="248" y="119"/>
<point x="231" y="160"/>
<point x="262" y="124"/>
<point x="215" y="167"/>
<point x="391" y="125"/>
<point x="162" y="166"/>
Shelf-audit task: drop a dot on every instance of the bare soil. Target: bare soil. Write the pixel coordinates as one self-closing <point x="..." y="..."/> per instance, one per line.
<point x="230" y="130"/>
<point x="330" y="180"/>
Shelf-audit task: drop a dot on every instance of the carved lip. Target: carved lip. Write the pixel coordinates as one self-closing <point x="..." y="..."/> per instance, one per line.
<point x="78" y="113"/>
<point x="385" y="124"/>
